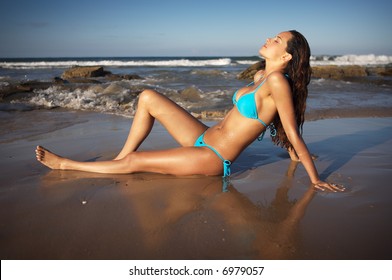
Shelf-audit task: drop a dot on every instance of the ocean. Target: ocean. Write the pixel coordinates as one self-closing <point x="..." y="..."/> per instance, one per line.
<point x="214" y="79"/>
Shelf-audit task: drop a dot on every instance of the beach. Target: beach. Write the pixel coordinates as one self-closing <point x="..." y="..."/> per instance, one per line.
<point x="269" y="211"/>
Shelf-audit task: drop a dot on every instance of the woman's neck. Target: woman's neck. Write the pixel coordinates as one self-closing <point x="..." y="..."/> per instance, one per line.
<point x="271" y="66"/>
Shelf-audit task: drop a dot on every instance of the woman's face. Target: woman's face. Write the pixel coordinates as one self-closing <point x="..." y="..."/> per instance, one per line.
<point x="274" y="48"/>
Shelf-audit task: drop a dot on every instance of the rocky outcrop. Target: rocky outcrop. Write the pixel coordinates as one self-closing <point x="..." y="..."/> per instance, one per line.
<point x="380" y="71"/>
<point x="24" y="87"/>
<point x="114" y="77"/>
<point x="69" y="78"/>
<point x="210" y="114"/>
<point x="84" y="72"/>
<point x="191" y="94"/>
<point x="338" y="72"/>
<point x="335" y="72"/>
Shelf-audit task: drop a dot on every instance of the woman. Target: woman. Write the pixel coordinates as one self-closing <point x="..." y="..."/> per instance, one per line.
<point x="277" y="95"/>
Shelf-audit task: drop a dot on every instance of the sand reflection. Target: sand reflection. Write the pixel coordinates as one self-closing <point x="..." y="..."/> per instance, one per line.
<point x="150" y="216"/>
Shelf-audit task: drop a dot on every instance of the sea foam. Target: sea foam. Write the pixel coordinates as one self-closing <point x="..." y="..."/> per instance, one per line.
<point x="119" y="103"/>
<point x="117" y="63"/>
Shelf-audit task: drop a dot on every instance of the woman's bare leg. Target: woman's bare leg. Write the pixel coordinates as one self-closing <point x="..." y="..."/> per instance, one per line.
<point x="174" y="161"/>
<point x="179" y="123"/>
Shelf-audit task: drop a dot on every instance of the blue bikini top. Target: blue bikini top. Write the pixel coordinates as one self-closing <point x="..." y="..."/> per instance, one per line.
<point x="246" y="105"/>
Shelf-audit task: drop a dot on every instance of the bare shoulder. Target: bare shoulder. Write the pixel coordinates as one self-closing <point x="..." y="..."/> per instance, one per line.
<point x="278" y="84"/>
<point x="277" y="77"/>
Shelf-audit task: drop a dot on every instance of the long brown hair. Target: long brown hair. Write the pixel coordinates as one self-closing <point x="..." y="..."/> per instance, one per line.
<point x="299" y="72"/>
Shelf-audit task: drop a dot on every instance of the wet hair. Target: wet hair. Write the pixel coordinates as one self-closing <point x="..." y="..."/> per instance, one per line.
<point x="299" y="72"/>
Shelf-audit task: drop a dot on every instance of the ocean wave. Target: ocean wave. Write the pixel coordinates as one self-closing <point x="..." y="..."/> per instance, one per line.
<point x="247" y="62"/>
<point x="117" y="63"/>
<point x="122" y="102"/>
<point x="116" y="98"/>
<point x="351" y="59"/>
<point x="50" y="63"/>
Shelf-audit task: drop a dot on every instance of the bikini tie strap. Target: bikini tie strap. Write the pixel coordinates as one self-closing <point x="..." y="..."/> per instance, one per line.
<point x="272" y="129"/>
<point x="226" y="168"/>
<point x="272" y="132"/>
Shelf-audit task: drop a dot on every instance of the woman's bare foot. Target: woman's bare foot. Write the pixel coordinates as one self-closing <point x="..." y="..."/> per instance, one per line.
<point x="48" y="158"/>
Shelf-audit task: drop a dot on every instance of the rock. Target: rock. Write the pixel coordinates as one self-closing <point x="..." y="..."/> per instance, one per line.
<point x="82" y="81"/>
<point x="251" y="71"/>
<point x="384" y="71"/>
<point x="326" y="72"/>
<point x="210" y="115"/>
<point x="131" y="77"/>
<point x="113" y="89"/>
<point x="25" y="87"/>
<point x="338" y="72"/>
<point x="12" y="89"/>
<point x="114" y="77"/>
<point x="191" y="94"/>
<point x="84" y="72"/>
<point x="213" y="114"/>
<point x="32" y="85"/>
<point x="80" y="74"/>
<point x="96" y="88"/>
<point x="59" y="81"/>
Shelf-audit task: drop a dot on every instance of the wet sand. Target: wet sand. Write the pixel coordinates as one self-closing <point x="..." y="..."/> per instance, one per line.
<point x="269" y="211"/>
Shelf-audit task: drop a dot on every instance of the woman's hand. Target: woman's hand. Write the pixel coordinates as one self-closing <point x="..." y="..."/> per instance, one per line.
<point x="323" y="186"/>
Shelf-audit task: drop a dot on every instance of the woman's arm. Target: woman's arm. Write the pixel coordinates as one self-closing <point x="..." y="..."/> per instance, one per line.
<point x="281" y="93"/>
<point x="293" y="155"/>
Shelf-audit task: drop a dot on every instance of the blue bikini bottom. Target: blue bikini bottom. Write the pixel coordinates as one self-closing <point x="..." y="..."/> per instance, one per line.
<point x="226" y="163"/>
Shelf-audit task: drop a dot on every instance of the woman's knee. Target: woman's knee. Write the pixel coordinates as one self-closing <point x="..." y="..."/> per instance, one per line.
<point x="149" y="100"/>
<point x="148" y="96"/>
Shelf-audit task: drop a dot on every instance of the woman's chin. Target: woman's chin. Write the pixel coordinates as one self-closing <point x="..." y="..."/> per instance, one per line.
<point x="261" y="52"/>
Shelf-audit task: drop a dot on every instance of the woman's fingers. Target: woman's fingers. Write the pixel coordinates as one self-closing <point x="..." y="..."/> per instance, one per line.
<point x="323" y="186"/>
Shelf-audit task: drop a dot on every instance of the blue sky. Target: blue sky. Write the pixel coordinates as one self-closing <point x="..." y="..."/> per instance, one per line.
<point x="188" y="28"/>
